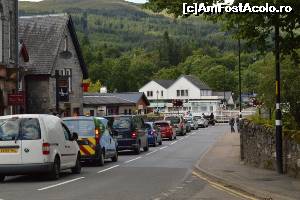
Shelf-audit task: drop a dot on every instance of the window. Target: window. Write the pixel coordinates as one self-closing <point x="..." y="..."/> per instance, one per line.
<point x="182" y="92"/>
<point x="211" y="108"/>
<point x="203" y="108"/>
<point x="162" y="93"/>
<point x="149" y="93"/>
<point x="178" y="93"/>
<point x="68" y="72"/>
<point x="186" y="93"/>
<point x="129" y="111"/>
<point x="66" y="132"/>
<point x="125" y="112"/>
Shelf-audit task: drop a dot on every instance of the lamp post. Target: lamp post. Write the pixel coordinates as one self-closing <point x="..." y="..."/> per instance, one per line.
<point x="157" y="92"/>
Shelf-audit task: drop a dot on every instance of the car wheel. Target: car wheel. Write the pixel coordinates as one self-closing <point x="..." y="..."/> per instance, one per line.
<point x="160" y="142"/>
<point x="175" y="137"/>
<point x="77" y="168"/>
<point x="55" y="171"/>
<point x="115" y="158"/>
<point x="2" y="178"/>
<point x="171" y="138"/>
<point x="137" y="150"/>
<point x="146" y="148"/>
<point x="100" y="160"/>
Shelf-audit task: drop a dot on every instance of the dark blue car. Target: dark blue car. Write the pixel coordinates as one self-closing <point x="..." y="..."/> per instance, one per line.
<point x="154" y="135"/>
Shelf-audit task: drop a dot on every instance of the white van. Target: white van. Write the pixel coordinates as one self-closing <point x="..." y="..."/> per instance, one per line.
<point x="31" y="144"/>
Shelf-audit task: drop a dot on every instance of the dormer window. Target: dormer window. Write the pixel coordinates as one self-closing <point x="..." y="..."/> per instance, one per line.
<point x="66" y="47"/>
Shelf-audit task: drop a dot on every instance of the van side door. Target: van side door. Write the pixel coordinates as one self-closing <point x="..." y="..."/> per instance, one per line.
<point x="70" y="149"/>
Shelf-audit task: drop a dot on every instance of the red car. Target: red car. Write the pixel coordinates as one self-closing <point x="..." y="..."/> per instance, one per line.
<point x="166" y="129"/>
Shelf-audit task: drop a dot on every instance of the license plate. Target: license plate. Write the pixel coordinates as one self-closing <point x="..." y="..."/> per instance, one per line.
<point x="8" y="150"/>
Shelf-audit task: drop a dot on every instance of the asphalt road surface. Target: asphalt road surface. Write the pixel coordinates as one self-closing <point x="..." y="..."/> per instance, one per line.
<point x="165" y="172"/>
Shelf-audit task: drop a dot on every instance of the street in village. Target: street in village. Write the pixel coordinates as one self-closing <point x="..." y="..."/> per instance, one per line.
<point x="165" y="172"/>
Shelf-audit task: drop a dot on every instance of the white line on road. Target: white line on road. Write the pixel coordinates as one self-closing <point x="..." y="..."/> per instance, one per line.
<point x="163" y="147"/>
<point x="151" y="152"/>
<point x="173" y="142"/>
<point x="52" y="186"/>
<point x="128" y="161"/>
<point x="104" y="170"/>
<point x="180" y="139"/>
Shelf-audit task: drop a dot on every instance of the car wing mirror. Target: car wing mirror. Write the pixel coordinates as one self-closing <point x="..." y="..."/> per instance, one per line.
<point x="75" y="136"/>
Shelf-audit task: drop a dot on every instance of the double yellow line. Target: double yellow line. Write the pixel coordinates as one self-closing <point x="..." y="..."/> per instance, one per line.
<point x="221" y="187"/>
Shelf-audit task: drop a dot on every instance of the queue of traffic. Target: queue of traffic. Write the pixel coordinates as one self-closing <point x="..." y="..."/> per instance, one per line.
<point x="47" y="145"/>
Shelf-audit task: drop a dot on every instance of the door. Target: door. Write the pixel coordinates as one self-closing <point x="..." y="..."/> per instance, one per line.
<point x="70" y="154"/>
<point x="10" y="145"/>
<point x="30" y="133"/>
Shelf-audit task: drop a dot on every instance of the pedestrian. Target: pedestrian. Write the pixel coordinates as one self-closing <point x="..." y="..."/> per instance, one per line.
<point x="231" y="123"/>
<point x="238" y="124"/>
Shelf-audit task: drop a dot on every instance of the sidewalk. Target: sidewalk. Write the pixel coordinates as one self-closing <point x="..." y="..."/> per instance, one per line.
<point x="222" y="163"/>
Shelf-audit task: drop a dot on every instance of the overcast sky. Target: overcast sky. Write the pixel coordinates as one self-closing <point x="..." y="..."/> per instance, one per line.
<point x="136" y="1"/>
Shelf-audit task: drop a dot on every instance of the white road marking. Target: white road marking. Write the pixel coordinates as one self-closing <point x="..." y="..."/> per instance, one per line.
<point x="128" y="161"/>
<point x="104" y="170"/>
<point x="173" y="142"/>
<point x="163" y="147"/>
<point x="179" y="187"/>
<point x="180" y="139"/>
<point x="66" y="182"/>
<point x="151" y="152"/>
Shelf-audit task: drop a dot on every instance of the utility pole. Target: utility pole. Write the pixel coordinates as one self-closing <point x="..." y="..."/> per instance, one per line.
<point x="240" y="97"/>
<point x="278" y="121"/>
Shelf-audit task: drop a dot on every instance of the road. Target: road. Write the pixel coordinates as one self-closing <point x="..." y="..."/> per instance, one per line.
<point x="165" y="172"/>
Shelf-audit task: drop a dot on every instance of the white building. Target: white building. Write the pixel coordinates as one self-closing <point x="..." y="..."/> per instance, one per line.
<point x="196" y="95"/>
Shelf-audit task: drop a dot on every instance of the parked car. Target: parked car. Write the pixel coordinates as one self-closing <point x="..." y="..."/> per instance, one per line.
<point x="166" y="129"/>
<point x="202" y="122"/>
<point x="130" y="131"/>
<point x="210" y="120"/>
<point x="95" y="140"/>
<point x="154" y="134"/>
<point x="178" y="123"/>
<point x="193" y="122"/>
<point x="188" y="125"/>
<point x="31" y="144"/>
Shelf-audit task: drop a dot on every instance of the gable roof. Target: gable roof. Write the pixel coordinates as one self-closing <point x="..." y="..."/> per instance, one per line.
<point x="197" y="82"/>
<point x="42" y="35"/>
<point x="127" y="97"/>
<point x="105" y="100"/>
<point x="165" y="83"/>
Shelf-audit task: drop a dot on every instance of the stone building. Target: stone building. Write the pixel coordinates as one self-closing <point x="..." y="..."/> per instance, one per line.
<point x="8" y="53"/>
<point x="52" y="46"/>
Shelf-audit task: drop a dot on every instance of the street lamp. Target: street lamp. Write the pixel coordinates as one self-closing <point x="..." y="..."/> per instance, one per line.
<point x="157" y="92"/>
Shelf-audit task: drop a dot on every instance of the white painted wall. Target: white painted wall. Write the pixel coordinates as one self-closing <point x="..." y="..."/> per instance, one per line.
<point x="183" y="84"/>
<point x="154" y="87"/>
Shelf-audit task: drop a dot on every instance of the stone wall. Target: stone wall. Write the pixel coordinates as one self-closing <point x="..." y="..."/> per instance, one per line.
<point x="259" y="150"/>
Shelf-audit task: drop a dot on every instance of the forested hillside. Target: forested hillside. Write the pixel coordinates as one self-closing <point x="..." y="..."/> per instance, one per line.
<point x="125" y="45"/>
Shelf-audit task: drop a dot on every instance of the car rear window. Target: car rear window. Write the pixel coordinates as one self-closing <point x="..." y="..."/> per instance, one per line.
<point x="84" y="127"/>
<point x="120" y="122"/>
<point x="164" y="124"/>
<point x="19" y="128"/>
<point x="173" y="120"/>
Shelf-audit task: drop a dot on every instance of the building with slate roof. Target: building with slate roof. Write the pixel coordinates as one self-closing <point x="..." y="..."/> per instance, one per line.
<point x="8" y="54"/>
<point x="52" y="46"/>
<point x="196" y="95"/>
<point x="100" y="104"/>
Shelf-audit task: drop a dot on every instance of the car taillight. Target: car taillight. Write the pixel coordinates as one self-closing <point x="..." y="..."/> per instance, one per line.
<point x="97" y="135"/>
<point x="46" y="148"/>
<point x="133" y="134"/>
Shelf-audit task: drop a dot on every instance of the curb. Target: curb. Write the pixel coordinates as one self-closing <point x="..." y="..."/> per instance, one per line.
<point x="254" y="192"/>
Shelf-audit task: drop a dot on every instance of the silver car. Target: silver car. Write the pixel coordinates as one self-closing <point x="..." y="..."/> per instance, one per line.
<point x="202" y="122"/>
<point x="193" y="122"/>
